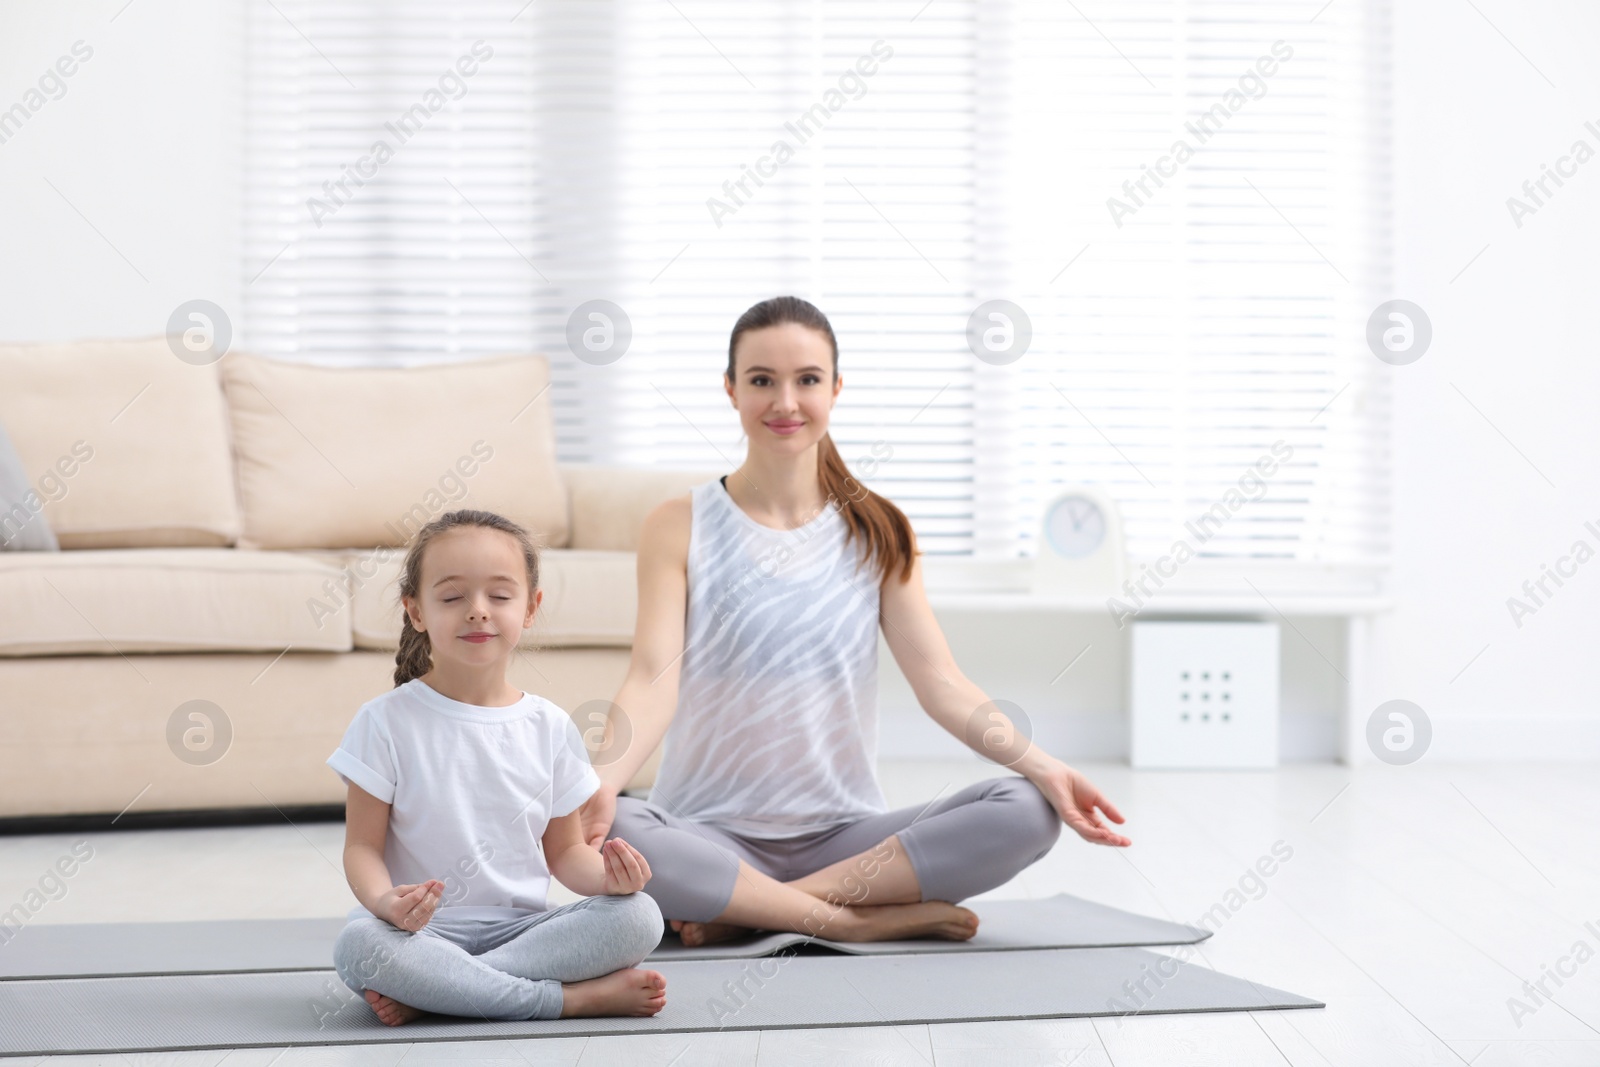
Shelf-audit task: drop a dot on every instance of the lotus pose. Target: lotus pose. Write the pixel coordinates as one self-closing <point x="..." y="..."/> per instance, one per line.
<point x="754" y="664"/>
<point x="463" y="801"/>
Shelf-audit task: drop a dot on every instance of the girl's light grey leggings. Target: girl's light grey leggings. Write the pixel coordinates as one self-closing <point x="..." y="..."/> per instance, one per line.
<point x="967" y="843"/>
<point x="498" y="968"/>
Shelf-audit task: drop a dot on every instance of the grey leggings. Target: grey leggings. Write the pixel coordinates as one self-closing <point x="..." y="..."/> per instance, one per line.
<point x="967" y="843"/>
<point x="498" y="968"/>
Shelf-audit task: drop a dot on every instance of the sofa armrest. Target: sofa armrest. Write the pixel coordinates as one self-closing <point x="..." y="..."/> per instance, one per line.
<point x="609" y="503"/>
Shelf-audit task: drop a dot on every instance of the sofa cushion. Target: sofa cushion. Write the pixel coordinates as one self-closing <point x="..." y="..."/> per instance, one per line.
<point x="609" y="503"/>
<point x="126" y="444"/>
<point x="590" y="599"/>
<point x="120" y="601"/>
<point x="329" y="456"/>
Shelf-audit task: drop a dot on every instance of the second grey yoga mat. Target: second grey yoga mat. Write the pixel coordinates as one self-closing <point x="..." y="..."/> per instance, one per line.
<point x="220" y="947"/>
<point x="52" y="950"/>
<point x="40" y="1017"/>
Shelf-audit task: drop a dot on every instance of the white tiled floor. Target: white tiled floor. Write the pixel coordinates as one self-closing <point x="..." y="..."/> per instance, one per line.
<point x="1416" y="904"/>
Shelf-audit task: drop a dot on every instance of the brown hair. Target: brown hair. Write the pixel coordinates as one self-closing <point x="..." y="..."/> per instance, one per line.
<point x="883" y="527"/>
<point x="415" y="655"/>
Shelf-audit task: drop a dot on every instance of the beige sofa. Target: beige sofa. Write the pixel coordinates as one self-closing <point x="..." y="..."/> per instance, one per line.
<point x="231" y="534"/>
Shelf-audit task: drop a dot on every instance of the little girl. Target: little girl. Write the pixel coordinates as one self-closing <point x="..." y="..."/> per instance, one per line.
<point x="463" y="801"/>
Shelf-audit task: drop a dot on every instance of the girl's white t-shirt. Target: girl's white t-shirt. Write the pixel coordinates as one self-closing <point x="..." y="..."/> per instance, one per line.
<point x="471" y="790"/>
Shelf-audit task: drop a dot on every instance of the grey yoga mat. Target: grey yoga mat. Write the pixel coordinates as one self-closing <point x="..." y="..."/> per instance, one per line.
<point x="244" y="945"/>
<point x="1061" y="921"/>
<point x="41" y="1017"/>
<point x="211" y="947"/>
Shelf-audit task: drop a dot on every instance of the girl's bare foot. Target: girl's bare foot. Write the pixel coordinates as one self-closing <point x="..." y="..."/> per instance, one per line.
<point x="696" y="934"/>
<point x="630" y="991"/>
<point x="390" y="1011"/>
<point x="896" y="922"/>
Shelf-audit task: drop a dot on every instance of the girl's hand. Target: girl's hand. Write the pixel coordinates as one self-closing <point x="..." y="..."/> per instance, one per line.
<point x="626" y="870"/>
<point x="1075" y="799"/>
<point x="410" y="906"/>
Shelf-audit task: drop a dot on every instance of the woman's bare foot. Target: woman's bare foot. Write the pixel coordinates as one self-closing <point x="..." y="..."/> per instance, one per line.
<point x="896" y="922"/>
<point x="390" y="1011"/>
<point x="630" y="991"/>
<point x="695" y="934"/>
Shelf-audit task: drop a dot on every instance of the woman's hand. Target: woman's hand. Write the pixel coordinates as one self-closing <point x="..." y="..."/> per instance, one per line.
<point x="410" y="906"/>
<point x="1075" y="799"/>
<point x="626" y="869"/>
<point x="597" y="814"/>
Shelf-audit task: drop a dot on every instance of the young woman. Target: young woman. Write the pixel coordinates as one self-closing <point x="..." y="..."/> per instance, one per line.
<point x="760" y="597"/>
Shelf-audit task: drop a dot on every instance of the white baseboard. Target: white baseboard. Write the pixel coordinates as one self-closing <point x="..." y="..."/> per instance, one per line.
<point x="1513" y="738"/>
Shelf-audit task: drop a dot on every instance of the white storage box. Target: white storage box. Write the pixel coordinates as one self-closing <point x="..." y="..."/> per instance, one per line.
<point x="1204" y="694"/>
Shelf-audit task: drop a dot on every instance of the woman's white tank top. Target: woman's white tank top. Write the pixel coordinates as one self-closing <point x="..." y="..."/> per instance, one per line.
<point x="776" y="728"/>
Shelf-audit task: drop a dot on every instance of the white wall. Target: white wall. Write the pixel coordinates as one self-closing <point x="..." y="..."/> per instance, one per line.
<point x="1515" y="335"/>
<point x="145" y="143"/>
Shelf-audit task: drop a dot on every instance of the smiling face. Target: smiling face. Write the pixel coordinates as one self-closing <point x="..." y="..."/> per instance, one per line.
<point x="473" y="600"/>
<point x="785" y="388"/>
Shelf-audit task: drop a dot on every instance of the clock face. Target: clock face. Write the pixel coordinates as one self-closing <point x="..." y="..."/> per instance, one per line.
<point x="1075" y="526"/>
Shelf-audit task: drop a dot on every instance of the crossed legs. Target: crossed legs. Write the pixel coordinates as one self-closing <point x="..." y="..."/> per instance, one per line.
<point x="577" y="959"/>
<point x="895" y="875"/>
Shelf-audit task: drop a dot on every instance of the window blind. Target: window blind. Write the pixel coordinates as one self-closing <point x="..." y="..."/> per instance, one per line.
<point x="392" y="204"/>
<point x="684" y="160"/>
<point x="1191" y="194"/>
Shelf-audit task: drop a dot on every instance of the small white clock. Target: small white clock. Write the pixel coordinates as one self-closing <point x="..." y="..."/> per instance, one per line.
<point x="1080" y="550"/>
